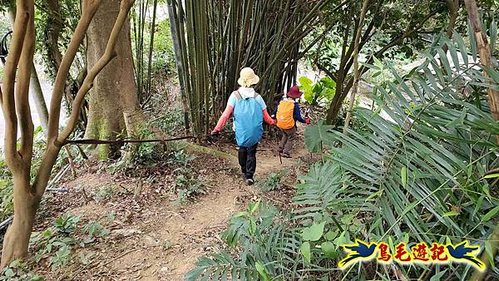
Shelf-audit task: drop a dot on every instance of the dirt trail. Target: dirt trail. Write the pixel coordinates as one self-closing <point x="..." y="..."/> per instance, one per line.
<point x="167" y="239"/>
<point x="196" y="230"/>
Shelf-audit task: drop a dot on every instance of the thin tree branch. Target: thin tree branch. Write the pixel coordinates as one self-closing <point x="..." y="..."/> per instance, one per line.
<point x="9" y="79"/>
<point x="22" y="86"/>
<point x="327" y="71"/>
<point x="88" y="11"/>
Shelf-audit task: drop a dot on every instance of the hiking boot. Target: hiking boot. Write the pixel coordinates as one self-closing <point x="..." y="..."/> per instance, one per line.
<point x="250" y="181"/>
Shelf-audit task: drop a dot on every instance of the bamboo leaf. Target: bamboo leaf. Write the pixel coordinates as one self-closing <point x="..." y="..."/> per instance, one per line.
<point x="438" y="276"/>
<point x="261" y="271"/>
<point x="491" y="176"/>
<point x="491" y="214"/>
<point x="403" y="176"/>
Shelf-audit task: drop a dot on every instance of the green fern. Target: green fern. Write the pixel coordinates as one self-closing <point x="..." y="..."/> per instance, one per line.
<point x="420" y="171"/>
<point x="413" y="169"/>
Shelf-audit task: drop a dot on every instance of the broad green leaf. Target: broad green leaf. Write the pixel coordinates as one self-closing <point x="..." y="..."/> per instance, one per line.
<point x="328" y="249"/>
<point x="330" y="235"/>
<point x="318" y="135"/>
<point x="305" y="81"/>
<point x="328" y="93"/>
<point x="305" y="251"/>
<point x="341" y="240"/>
<point x="307" y="88"/>
<point x="328" y="83"/>
<point x="313" y="232"/>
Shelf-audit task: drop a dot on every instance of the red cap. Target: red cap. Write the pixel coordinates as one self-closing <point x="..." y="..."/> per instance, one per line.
<point x="294" y="92"/>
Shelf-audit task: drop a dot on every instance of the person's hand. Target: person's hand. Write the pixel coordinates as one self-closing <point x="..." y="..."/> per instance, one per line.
<point x="307" y="120"/>
<point x="213" y="136"/>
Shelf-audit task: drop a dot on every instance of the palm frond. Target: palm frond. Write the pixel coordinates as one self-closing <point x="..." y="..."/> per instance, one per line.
<point x="418" y="171"/>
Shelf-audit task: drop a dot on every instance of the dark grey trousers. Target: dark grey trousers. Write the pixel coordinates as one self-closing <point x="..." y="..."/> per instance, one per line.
<point x="286" y="144"/>
<point x="247" y="160"/>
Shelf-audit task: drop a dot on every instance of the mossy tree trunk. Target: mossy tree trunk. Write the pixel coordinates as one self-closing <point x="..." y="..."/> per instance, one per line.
<point x="18" y="122"/>
<point x="114" y="93"/>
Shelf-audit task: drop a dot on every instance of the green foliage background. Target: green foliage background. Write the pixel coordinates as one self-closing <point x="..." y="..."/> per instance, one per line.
<point x="419" y="173"/>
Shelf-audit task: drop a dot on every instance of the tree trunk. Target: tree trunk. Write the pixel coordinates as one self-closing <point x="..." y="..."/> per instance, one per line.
<point x="453" y="6"/>
<point x="16" y="240"/>
<point x="335" y="106"/>
<point x="485" y="54"/>
<point x="37" y="95"/>
<point x="114" y="92"/>
<point x="17" y="115"/>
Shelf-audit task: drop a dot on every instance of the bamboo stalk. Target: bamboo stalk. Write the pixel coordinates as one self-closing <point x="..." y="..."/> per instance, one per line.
<point x="151" y="47"/>
<point x="215" y="39"/>
<point x="356" y="71"/>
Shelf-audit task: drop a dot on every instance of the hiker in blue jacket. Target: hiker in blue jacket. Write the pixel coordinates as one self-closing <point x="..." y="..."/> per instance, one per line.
<point x="250" y="111"/>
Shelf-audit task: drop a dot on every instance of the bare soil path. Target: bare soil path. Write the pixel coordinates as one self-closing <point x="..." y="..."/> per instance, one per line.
<point x="160" y="239"/>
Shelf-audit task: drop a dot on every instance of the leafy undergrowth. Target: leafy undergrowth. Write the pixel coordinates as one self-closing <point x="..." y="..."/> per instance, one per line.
<point x="116" y="194"/>
<point x="104" y="210"/>
<point x="419" y="167"/>
<point x="53" y="248"/>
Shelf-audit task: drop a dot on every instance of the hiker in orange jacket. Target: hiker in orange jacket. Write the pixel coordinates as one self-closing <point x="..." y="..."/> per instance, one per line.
<point x="288" y="113"/>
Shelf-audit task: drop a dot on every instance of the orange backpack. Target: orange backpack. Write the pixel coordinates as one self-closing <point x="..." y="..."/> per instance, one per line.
<point x="285" y="119"/>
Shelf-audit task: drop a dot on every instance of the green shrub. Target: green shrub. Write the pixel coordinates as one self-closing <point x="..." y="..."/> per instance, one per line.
<point x="272" y="182"/>
<point x="18" y="271"/>
<point x="417" y="170"/>
<point x="56" y="243"/>
<point x="322" y="92"/>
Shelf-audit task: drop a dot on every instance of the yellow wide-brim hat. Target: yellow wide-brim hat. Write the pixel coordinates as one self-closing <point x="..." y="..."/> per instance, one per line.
<point x="247" y="77"/>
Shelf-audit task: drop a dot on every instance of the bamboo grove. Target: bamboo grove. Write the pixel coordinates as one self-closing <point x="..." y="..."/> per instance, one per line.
<point x="213" y="40"/>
